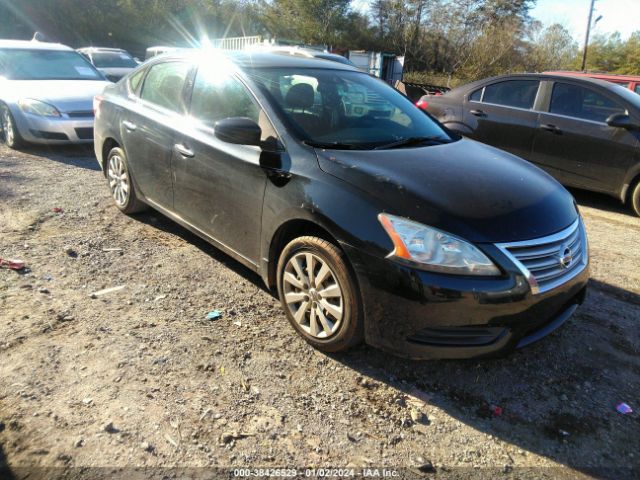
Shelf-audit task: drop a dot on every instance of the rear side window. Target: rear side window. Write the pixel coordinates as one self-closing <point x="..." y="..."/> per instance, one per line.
<point x="217" y="96"/>
<point x="637" y="89"/>
<point x="164" y="83"/>
<point x="512" y="93"/>
<point x="580" y="102"/>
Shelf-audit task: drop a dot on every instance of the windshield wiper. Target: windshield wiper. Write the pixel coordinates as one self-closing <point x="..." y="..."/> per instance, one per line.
<point x="333" y="145"/>
<point x="405" y="142"/>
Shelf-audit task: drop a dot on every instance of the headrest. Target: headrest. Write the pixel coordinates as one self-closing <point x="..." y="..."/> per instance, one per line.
<point x="300" y="95"/>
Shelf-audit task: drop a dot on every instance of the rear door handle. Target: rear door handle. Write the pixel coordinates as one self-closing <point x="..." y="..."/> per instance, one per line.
<point x="184" y="151"/>
<point x="550" y="127"/>
<point x="129" y="125"/>
<point x="478" y="113"/>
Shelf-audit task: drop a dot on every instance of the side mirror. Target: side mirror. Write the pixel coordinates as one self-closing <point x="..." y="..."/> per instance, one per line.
<point x="239" y="130"/>
<point x="622" y="120"/>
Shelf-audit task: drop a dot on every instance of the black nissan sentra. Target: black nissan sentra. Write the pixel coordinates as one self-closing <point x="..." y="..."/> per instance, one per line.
<point x="373" y="221"/>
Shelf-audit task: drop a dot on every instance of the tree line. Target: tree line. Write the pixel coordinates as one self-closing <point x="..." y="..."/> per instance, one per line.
<point x="449" y="39"/>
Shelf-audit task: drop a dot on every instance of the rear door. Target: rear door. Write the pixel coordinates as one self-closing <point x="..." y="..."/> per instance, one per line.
<point x="148" y="129"/>
<point x="502" y="114"/>
<point x="219" y="187"/>
<point x="574" y="142"/>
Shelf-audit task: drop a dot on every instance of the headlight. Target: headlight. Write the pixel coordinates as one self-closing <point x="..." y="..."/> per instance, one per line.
<point x="431" y="249"/>
<point x="36" y="107"/>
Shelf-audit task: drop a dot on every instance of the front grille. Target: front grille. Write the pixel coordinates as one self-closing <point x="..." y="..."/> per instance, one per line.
<point x="85" y="133"/>
<point x="457" y="336"/>
<point x="550" y="261"/>
<point x="81" y="114"/>
<point x="49" y="135"/>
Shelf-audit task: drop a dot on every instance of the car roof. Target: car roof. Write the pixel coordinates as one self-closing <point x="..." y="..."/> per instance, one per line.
<point x="33" y="45"/>
<point x="259" y="59"/>
<point x="602" y="75"/>
<point x="462" y="90"/>
<point x="101" y="49"/>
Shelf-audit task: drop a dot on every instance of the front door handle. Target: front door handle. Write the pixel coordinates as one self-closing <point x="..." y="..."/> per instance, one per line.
<point x="129" y="125"/>
<point x="550" y="127"/>
<point x="478" y="113"/>
<point x="184" y="151"/>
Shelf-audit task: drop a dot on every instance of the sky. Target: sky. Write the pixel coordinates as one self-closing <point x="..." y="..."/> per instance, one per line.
<point x="617" y="15"/>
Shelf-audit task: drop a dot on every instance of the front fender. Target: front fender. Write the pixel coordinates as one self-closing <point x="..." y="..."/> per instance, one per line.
<point x="346" y="213"/>
<point x="459" y="127"/>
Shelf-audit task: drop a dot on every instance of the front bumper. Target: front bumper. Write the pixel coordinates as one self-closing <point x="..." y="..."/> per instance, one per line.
<point x="424" y="315"/>
<point x="55" y="130"/>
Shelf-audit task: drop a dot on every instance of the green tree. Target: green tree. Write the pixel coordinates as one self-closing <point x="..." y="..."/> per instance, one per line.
<point x="551" y="49"/>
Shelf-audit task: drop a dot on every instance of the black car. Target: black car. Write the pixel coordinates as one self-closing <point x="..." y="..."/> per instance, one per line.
<point x="114" y="63"/>
<point x="585" y="132"/>
<point x="388" y="229"/>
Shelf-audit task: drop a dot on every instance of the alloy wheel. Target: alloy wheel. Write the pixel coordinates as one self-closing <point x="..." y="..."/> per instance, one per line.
<point x="118" y="180"/>
<point x="7" y="127"/>
<point x="313" y="295"/>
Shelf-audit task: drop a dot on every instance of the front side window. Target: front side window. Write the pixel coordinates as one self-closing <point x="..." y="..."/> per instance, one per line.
<point x="512" y="93"/>
<point x="164" y="83"/>
<point x="580" y="102"/>
<point x="637" y="89"/>
<point x="25" y="64"/>
<point x="326" y="106"/>
<point x="218" y="95"/>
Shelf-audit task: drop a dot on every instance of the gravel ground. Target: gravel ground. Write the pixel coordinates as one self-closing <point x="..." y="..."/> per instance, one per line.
<point x="138" y="377"/>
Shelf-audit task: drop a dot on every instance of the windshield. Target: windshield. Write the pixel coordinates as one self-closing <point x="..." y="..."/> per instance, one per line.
<point x="346" y="108"/>
<point x="113" y="60"/>
<point x="23" y="64"/>
<point x="629" y="95"/>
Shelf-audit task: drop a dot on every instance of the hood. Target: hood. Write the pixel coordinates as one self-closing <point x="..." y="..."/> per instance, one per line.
<point x="466" y="188"/>
<point x="65" y="95"/>
<point x="115" y="74"/>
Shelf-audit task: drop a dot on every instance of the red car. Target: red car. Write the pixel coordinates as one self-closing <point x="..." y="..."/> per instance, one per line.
<point x="632" y="82"/>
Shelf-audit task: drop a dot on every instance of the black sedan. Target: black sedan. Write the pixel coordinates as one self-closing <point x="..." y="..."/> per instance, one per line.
<point x="372" y="224"/>
<point x="584" y="132"/>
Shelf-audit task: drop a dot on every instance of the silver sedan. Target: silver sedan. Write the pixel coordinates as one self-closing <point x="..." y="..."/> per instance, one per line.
<point x="46" y="93"/>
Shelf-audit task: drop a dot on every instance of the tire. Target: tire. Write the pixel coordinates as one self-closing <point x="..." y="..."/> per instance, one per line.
<point x="634" y="198"/>
<point x="327" y="312"/>
<point x="10" y="133"/>
<point x="121" y="183"/>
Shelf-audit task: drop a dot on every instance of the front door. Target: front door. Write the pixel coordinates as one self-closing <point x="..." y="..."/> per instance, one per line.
<point x="219" y="187"/>
<point x="148" y="130"/>
<point x="575" y="144"/>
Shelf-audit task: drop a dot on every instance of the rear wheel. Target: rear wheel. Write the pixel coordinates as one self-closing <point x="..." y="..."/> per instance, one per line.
<point x="10" y="132"/>
<point x="319" y="294"/>
<point x="121" y="184"/>
<point x="634" y="199"/>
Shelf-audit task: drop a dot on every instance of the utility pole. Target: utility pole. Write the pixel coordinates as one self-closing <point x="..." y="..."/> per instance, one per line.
<point x="586" y="38"/>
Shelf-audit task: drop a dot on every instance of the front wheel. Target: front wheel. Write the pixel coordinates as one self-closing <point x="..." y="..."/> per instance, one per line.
<point x="634" y="200"/>
<point x="319" y="294"/>
<point x="10" y="132"/>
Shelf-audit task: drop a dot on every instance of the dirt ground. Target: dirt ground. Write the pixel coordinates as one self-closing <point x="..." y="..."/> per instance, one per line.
<point x="140" y="378"/>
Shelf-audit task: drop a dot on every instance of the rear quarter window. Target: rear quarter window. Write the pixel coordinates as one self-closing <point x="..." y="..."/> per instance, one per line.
<point x="135" y="81"/>
<point x="476" y="96"/>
